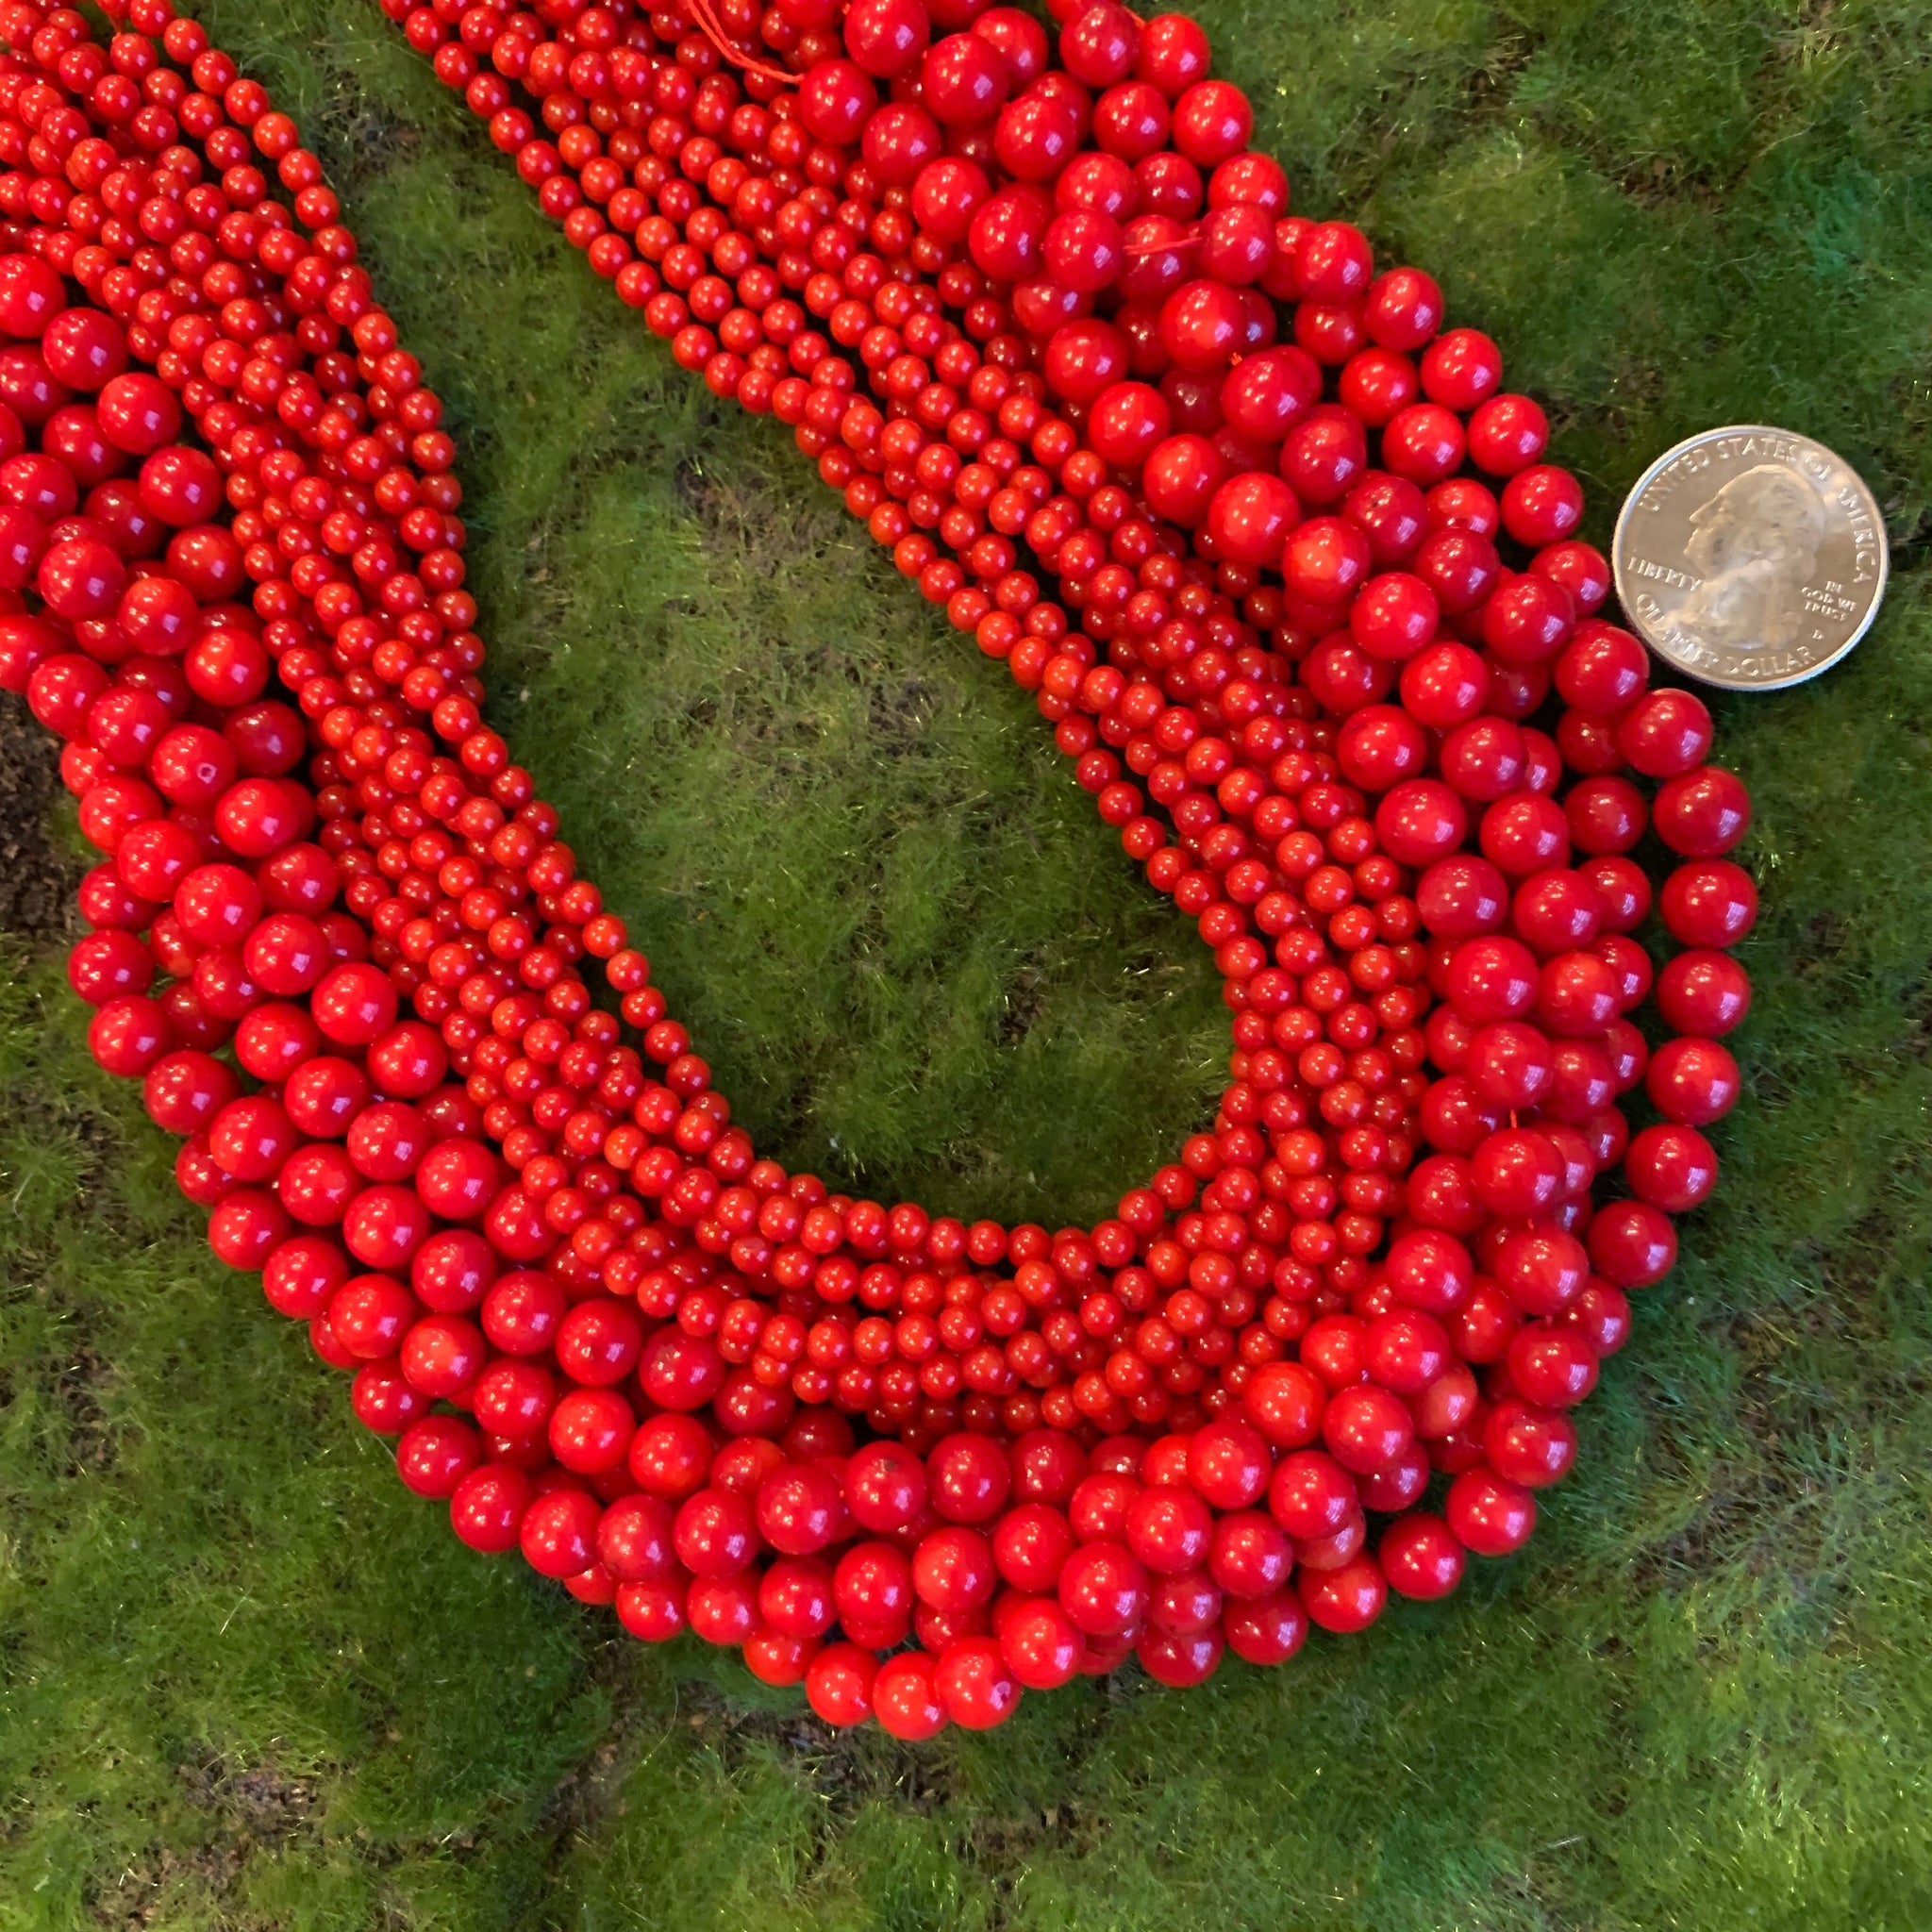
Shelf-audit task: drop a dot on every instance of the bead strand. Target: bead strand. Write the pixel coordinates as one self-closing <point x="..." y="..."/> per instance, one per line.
<point x="565" y="1241"/>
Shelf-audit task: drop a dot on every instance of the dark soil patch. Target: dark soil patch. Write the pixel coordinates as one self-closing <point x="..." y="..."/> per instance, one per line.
<point x="1025" y="1003"/>
<point x="899" y="717"/>
<point x="253" y="1807"/>
<point x="1489" y="90"/>
<point x="845" y="1769"/>
<point x="133" y="1903"/>
<point x="78" y="1385"/>
<point x="37" y="882"/>
<point x="252" y="1801"/>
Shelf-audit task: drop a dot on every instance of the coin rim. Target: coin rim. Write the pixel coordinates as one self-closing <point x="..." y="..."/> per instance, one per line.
<point x="1670" y="456"/>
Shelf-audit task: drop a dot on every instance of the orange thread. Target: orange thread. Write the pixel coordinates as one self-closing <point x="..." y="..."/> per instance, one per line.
<point x="1191" y="239"/>
<point x="713" y="30"/>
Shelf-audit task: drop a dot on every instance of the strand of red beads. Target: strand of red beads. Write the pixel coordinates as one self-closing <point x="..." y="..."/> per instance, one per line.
<point x="596" y="1322"/>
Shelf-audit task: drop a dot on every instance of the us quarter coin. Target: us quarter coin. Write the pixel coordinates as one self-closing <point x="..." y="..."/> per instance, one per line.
<point x="1750" y="557"/>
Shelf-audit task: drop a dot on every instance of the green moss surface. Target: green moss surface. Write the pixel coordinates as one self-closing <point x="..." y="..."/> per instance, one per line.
<point x="246" y="1682"/>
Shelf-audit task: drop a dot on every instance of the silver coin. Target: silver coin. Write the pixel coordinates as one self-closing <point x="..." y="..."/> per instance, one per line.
<point x="1750" y="557"/>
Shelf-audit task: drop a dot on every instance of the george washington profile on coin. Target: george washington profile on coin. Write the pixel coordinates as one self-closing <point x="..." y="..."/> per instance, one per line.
<point x="1750" y="557"/>
<point x="1755" y="547"/>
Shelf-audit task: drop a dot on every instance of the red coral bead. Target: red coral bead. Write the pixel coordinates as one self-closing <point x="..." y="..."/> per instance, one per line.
<point x="1420" y="1555"/>
<point x="905" y="1697"/>
<point x="1702" y="991"/>
<point x="1701" y="813"/>
<point x="839" y="1684"/>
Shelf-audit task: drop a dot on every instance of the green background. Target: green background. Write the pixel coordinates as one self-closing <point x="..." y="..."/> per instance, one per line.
<point x="246" y="1682"/>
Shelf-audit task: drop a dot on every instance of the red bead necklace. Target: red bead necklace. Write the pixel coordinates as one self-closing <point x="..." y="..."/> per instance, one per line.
<point x="1289" y="605"/>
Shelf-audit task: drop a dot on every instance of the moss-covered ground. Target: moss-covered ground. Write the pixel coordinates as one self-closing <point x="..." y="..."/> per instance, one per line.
<point x="246" y="1682"/>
